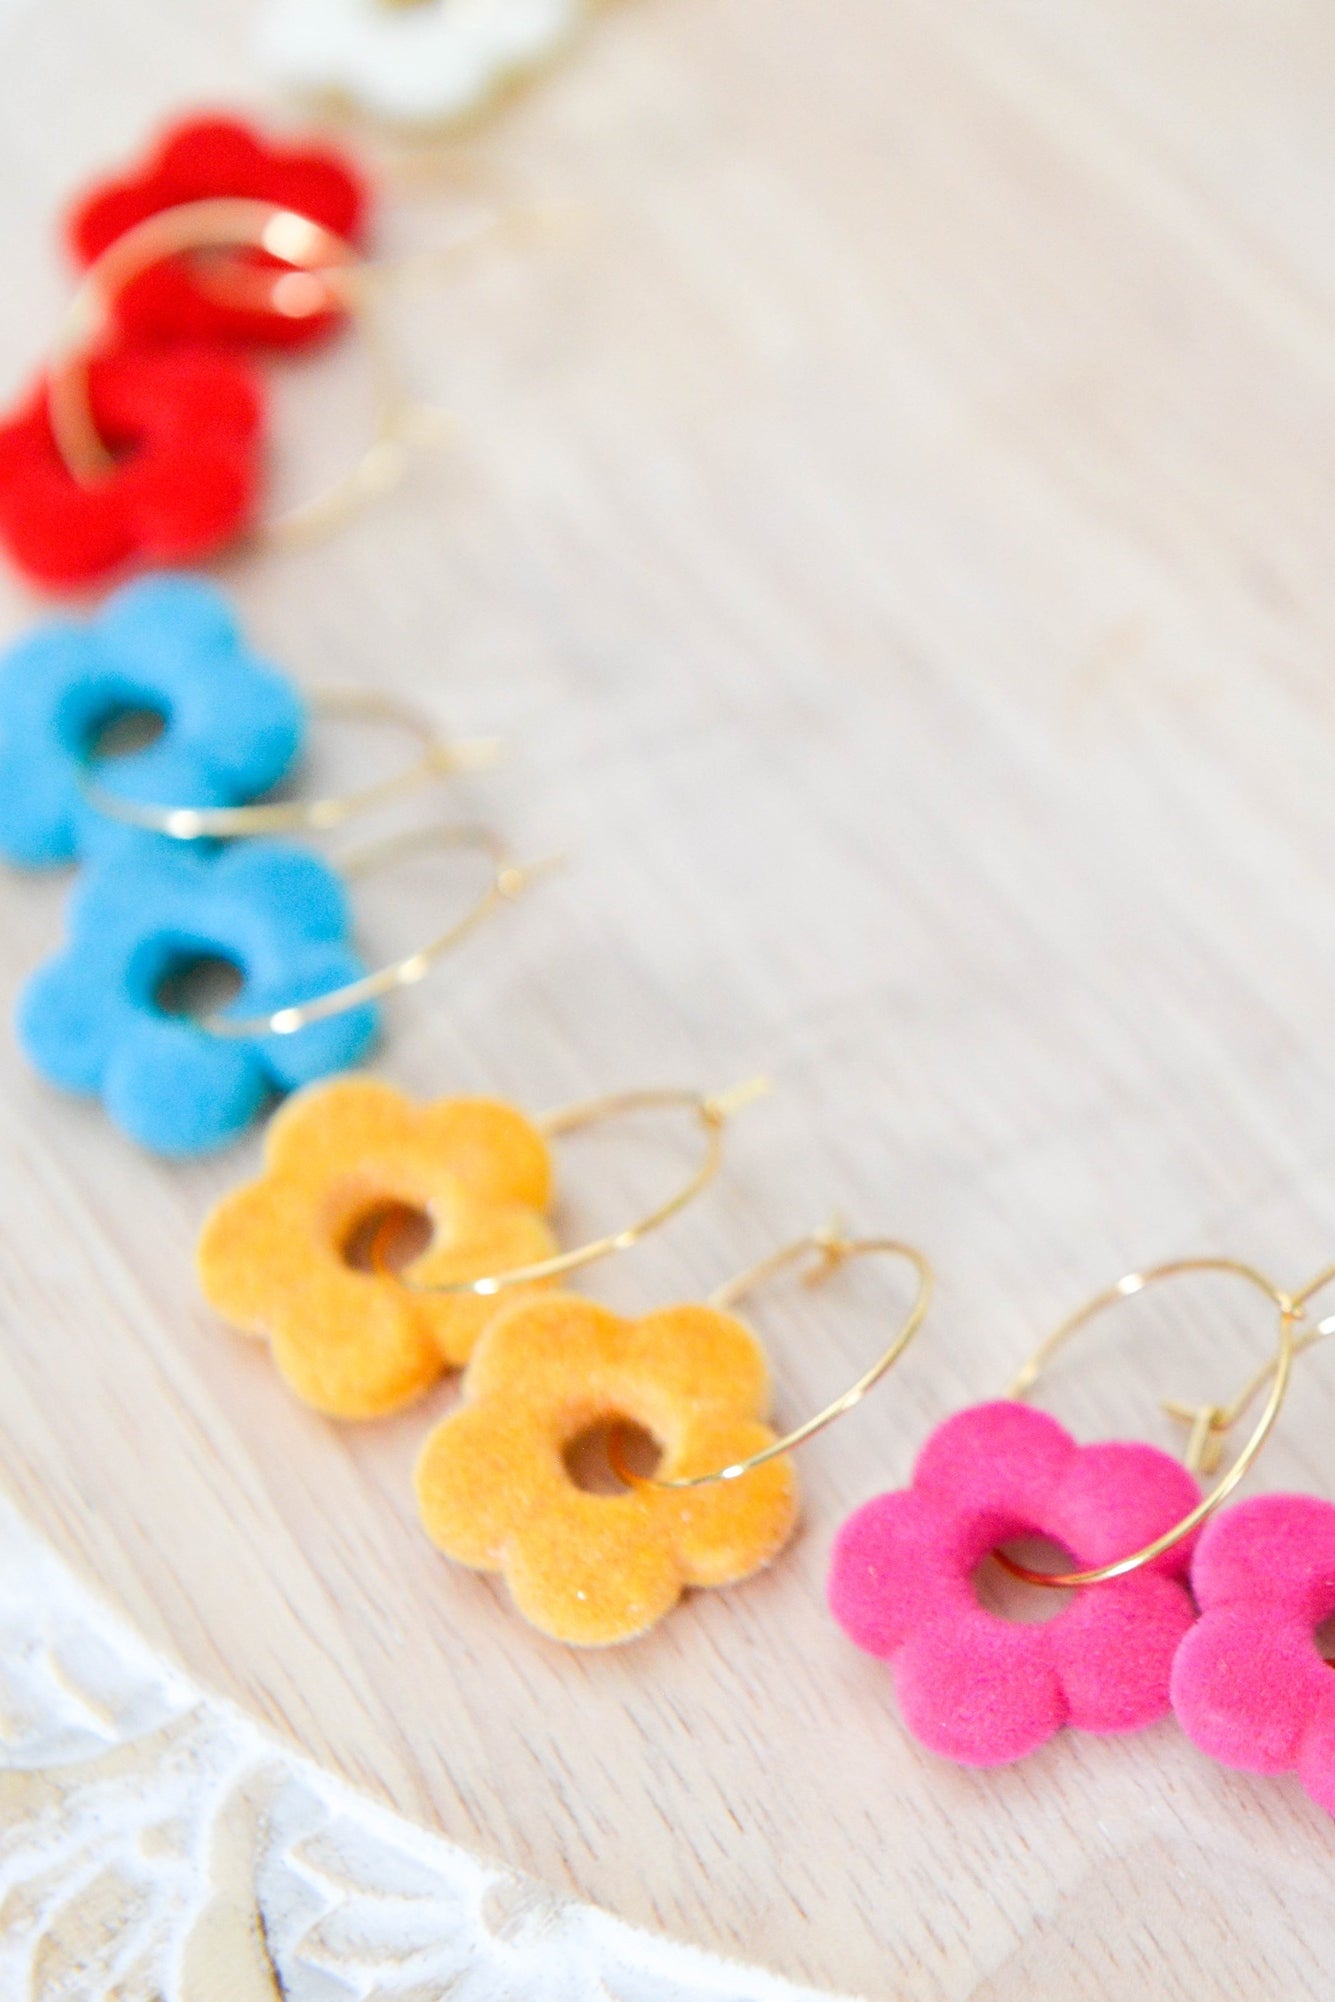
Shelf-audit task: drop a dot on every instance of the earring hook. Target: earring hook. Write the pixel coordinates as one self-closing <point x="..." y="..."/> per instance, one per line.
<point x="711" y="1110"/>
<point x="1210" y="1423"/>
<point x="833" y="1249"/>
<point x="1279" y="1370"/>
<point x="437" y="757"/>
<point x="509" y="880"/>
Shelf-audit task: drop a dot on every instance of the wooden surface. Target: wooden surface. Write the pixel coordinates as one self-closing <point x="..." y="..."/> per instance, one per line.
<point x="891" y="513"/>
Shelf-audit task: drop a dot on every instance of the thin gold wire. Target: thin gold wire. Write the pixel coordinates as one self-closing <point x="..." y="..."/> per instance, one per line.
<point x="509" y="880"/>
<point x="1279" y="1370"/>
<point x="436" y="758"/>
<point x="712" y="1111"/>
<point x="833" y="1250"/>
<point x="335" y="278"/>
<point x="1210" y="1423"/>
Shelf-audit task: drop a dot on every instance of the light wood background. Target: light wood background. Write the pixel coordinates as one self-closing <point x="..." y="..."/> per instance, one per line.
<point x="892" y="514"/>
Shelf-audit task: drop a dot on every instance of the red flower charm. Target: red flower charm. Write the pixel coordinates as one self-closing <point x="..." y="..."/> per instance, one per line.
<point x="185" y="426"/>
<point x="201" y="160"/>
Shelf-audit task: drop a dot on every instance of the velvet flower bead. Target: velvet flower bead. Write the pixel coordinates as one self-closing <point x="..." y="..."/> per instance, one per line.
<point x="92" y="1020"/>
<point x="975" y="1687"/>
<point x="206" y="159"/>
<point x="166" y="645"/>
<point x="276" y="1257"/>
<point x="1250" y="1685"/>
<point x="495" y="1491"/>
<point x="412" y="63"/>
<point x="184" y="424"/>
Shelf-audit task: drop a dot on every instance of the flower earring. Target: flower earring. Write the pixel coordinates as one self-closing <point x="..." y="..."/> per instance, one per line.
<point x="141" y="443"/>
<point x="980" y="1689"/>
<point x="495" y="1485"/>
<point x="413" y="63"/>
<point x="238" y="302"/>
<point x="1250" y="1684"/>
<point x="299" y="1257"/>
<point x="167" y="650"/>
<point x="112" y="1016"/>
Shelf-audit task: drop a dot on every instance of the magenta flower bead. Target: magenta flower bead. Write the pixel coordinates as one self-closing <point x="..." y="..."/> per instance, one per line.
<point x="1250" y="1685"/>
<point x="975" y="1687"/>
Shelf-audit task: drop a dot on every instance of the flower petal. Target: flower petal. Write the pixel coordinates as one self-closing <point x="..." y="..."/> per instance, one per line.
<point x="281" y="892"/>
<point x="1247" y="1686"/>
<point x="979" y="1690"/>
<point x="700" y="1358"/>
<point x="550" y="1351"/>
<point x="68" y="1022"/>
<point x="727" y="1530"/>
<point x="349" y="1345"/>
<point x="1276" y="1550"/>
<point x="491" y="1148"/>
<point x="323" y="1046"/>
<point x="179" y="1091"/>
<point x="1114" y="1647"/>
<point x="335" y="1124"/>
<point x="894" y="1569"/>
<point x="592" y="1572"/>
<point x="1003" y="1459"/>
<point x="484" y="1470"/>
<point x="1115" y="1498"/>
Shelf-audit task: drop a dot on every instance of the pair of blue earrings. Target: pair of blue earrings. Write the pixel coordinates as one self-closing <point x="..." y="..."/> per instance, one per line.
<point x="161" y="889"/>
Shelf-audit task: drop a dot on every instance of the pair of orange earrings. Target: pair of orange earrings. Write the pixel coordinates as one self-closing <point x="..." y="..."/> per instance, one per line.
<point x="304" y="1256"/>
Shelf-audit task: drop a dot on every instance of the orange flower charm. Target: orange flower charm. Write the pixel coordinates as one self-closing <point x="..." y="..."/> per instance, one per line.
<point x="274" y="1258"/>
<point x="495" y="1492"/>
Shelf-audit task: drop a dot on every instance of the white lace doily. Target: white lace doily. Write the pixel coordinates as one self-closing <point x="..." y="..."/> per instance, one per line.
<point x="158" y="1846"/>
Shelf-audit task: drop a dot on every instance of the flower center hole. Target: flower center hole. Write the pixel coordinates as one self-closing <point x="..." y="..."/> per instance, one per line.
<point x="1011" y="1598"/>
<point x="388" y="1238"/>
<point x="1325" y="1639"/>
<point x="198" y="983"/>
<point x="123" y="731"/>
<point x="593" y="1456"/>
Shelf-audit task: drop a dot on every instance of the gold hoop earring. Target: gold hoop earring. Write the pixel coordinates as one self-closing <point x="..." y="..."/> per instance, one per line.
<point x="712" y="1111"/>
<point x="436" y="757"/>
<point x="1278" y="1372"/>
<point x="509" y="880"/>
<point x="833" y="1250"/>
<point x="325" y="272"/>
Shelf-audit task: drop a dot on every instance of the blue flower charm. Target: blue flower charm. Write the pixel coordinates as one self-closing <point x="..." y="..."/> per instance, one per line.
<point x="92" y="1020"/>
<point x="232" y="726"/>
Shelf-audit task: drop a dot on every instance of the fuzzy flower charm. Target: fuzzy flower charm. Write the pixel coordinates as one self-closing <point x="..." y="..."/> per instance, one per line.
<point x="275" y="1257"/>
<point x="184" y="424"/>
<point x="413" y="61"/>
<point x="92" y="1020"/>
<point x="166" y="645"/>
<point x="1250" y="1685"/>
<point x="983" y="1690"/>
<point x="495" y="1491"/>
<point x="206" y="159"/>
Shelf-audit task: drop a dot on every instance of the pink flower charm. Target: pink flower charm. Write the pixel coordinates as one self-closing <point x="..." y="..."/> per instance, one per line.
<point x="983" y="1690"/>
<point x="1250" y="1685"/>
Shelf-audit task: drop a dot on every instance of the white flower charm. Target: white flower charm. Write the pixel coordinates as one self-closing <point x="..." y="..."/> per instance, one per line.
<point x="412" y="61"/>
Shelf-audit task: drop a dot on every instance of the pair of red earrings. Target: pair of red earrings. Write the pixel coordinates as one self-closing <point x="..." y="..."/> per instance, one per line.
<point x="142" y="441"/>
<point x="1177" y="1604"/>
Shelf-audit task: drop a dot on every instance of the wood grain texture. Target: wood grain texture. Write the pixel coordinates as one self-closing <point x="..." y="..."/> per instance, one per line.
<point x="891" y="514"/>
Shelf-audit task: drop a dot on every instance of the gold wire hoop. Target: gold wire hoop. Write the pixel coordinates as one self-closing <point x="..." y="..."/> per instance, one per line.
<point x="509" y="880"/>
<point x="436" y="758"/>
<point x="1210" y="1423"/>
<point x="833" y="1250"/>
<point x="713" y="1111"/>
<point x="1279" y="1370"/>
<point x="326" y="274"/>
